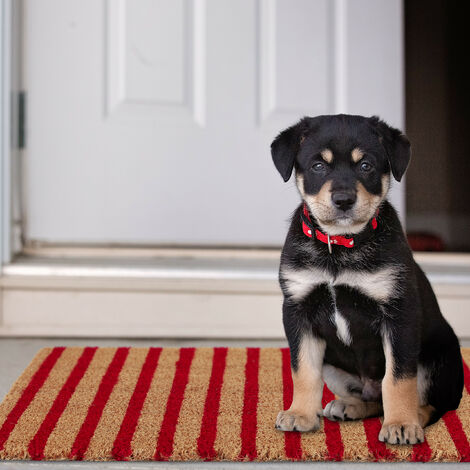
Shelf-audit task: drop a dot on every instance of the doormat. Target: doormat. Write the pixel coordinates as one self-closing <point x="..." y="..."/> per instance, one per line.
<point x="189" y="404"/>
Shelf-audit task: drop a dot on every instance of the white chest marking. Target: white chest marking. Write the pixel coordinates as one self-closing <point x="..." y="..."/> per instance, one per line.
<point x="342" y="328"/>
<point x="302" y="281"/>
<point x="380" y="285"/>
<point x="342" y="325"/>
<point x="424" y="379"/>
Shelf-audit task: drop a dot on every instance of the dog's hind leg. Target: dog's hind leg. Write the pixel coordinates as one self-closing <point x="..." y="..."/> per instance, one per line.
<point x="440" y="385"/>
<point x="426" y="415"/>
<point x="349" y="389"/>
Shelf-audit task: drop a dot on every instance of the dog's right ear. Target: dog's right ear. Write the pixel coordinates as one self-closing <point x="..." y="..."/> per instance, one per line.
<point x="286" y="146"/>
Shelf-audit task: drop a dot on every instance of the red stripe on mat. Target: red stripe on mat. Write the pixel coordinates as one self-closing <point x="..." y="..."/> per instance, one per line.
<point x="205" y="442"/>
<point x="421" y="452"/>
<point x="122" y="444"/>
<point x="37" y="381"/>
<point x="38" y="442"/>
<point x="95" y="410"/>
<point x="333" y="439"/>
<point x="250" y="404"/>
<point x="292" y="439"/>
<point x="167" y="430"/>
<point x="378" y="449"/>
<point x="454" y="426"/>
<point x="466" y="375"/>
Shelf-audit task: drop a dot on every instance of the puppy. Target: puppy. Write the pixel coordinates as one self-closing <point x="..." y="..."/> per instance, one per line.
<point x="358" y="312"/>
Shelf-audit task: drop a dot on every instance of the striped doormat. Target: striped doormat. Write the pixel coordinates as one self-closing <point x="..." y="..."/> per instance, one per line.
<point x="189" y="404"/>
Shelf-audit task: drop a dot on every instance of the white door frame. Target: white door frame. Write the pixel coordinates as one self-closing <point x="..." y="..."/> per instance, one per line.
<point x="5" y="177"/>
<point x="10" y="153"/>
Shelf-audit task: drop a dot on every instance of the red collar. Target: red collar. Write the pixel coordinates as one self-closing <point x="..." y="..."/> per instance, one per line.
<point x="307" y="228"/>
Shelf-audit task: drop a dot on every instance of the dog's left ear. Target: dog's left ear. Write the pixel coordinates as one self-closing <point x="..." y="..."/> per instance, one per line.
<point x="396" y="145"/>
<point x="286" y="146"/>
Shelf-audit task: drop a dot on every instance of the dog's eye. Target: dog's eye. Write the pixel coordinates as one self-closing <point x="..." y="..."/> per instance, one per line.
<point x="318" y="166"/>
<point x="365" y="166"/>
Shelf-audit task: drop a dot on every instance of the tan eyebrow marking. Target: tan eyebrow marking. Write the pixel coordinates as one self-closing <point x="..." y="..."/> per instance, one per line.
<point x="327" y="155"/>
<point x="357" y="154"/>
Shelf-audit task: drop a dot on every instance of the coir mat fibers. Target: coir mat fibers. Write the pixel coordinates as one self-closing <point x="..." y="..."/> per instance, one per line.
<point x="189" y="404"/>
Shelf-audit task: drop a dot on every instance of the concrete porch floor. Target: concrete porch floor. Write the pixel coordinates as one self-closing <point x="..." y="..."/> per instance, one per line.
<point x="16" y="353"/>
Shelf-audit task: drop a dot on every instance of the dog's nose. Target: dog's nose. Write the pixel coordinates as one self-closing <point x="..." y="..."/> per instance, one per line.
<point x="343" y="200"/>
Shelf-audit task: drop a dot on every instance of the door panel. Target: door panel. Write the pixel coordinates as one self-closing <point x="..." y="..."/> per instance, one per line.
<point x="149" y="121"/>
<point x="154" y="66"/>
<point x="296" y="51"/>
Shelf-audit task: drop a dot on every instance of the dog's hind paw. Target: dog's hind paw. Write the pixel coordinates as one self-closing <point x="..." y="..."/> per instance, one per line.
<point x="335" y="410"/>
<point x="294" y="421"/>
<point x="338" y="410"/>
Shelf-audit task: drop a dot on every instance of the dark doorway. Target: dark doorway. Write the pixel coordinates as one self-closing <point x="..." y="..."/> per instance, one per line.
<point x="437" y="123"/>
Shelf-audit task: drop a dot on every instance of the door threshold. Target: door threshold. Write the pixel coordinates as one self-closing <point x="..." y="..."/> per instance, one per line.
<point x="181" y="295"/>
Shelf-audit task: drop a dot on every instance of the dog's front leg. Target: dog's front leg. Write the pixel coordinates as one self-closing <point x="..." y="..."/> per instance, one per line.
<point x="305" y="411"/>
<point x="400" y="393"/>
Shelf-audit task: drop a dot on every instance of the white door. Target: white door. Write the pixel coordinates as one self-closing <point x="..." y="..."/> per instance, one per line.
<point x="149" y="121"/>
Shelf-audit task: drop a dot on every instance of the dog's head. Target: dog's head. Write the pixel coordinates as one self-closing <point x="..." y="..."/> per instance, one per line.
<point x="342" y="165"/>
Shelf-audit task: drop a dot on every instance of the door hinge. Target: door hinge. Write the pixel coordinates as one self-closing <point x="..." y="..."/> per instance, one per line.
<point x="21" y="119"/>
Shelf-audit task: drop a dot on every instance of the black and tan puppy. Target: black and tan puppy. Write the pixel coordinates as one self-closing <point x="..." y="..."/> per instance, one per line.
<point x="358" y="312"/>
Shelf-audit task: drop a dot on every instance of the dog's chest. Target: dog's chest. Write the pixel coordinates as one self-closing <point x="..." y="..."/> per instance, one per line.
<point x="379" y="285"/>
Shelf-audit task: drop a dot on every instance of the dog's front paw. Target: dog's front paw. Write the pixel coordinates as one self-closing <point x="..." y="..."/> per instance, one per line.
<point x="401" y="434"/>
<point x="293" y="421"/>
